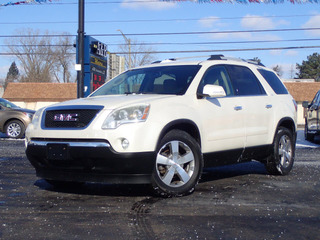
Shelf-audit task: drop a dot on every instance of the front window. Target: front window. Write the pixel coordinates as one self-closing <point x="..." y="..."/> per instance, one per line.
<point x="173" y="80"/>
<point x="217" y="75"/>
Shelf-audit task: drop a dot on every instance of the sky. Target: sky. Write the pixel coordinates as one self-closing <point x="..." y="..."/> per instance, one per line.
<point x="231" y="29"/>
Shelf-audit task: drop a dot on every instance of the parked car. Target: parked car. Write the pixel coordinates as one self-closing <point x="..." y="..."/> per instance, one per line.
<point x="164" y="123"/>
<point x="312" y="118"/>
<point x="13" y="119"/>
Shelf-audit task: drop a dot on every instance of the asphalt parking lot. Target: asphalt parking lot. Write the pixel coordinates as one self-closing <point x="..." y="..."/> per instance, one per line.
<point x="233" y="202"/>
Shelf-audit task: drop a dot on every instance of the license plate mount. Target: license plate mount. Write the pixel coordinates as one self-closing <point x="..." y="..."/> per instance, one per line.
<point x="57" y="151"/>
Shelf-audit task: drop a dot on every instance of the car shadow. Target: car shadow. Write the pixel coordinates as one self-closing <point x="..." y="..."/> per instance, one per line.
<point x="228" y="171"/>
<point x="98" y="189"/>
<point x="138" y="190"/>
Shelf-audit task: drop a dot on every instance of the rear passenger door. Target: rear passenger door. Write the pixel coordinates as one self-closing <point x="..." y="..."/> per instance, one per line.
<point x="255" y="103"/>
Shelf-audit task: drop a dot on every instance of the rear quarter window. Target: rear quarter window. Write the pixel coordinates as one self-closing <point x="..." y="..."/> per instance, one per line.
<point x="274" y="82"/>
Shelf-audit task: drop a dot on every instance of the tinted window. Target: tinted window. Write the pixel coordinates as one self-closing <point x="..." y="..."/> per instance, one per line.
<point x="217" y="75"/>
<point x="244" y="81"/>
<point x="153" y="80"/>
<point x="316" y="99"/>
<point x="274" y="82"/>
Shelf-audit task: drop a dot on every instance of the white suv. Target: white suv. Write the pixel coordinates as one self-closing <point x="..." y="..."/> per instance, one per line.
<point x="164" y="123"/>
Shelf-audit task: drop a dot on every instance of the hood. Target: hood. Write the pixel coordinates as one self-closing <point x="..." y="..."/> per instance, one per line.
<point x="115" y="101"/>
<point x="23" y="110"/>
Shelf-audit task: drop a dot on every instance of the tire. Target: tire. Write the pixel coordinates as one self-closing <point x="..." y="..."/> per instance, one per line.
<point x="280" y="161"/>
<point x="15" y="129"/>
<point x="178" y="165"/>
<point x="307" y="136"/>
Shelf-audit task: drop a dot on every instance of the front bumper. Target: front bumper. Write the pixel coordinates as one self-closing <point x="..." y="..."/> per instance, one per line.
<point x="88" y="161"/>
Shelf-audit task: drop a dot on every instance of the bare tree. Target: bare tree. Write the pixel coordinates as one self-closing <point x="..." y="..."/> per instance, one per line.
<point x="42" y="57"/>
<point x="138" y="55"/>
<point x="63" y="59"/>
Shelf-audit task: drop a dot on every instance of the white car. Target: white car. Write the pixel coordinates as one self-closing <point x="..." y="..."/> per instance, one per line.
<point x="164" y="123"/>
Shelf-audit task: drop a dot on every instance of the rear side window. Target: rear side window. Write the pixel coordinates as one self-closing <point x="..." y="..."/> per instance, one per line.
<point x="316" y="99"/>
<point x="245" y="83"/>
<point x="274" y="82"/>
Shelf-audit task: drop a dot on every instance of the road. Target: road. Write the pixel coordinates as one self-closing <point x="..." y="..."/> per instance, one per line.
<point x="233" y="202"/>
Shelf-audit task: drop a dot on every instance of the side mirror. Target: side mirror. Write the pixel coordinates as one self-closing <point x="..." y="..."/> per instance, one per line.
<point x="314" y="108"/>
<point x="213" y="91"/>
<point x="305" y="104"/>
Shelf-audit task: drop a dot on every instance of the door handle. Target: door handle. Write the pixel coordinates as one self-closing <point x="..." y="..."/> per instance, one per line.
<point x="268" y="106"/>
<point x="238" y="108"/>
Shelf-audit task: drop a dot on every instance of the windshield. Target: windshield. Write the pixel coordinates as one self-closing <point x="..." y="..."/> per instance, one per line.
<point x="154" y="80"/>
<point x="7" y="104"/>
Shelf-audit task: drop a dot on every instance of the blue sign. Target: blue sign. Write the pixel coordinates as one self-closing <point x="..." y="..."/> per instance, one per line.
<point x="95" y="64"/>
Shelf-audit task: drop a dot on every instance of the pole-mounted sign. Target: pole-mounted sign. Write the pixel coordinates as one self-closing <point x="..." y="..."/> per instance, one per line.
<point x="91" y="59"/>
<point x="95" y="64"/>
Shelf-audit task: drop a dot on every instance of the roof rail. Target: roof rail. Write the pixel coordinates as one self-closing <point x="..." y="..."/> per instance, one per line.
<point x="222" y="57"/>
<point x="216" y="57"/>
<point x="164" y="61"/>
<point x="253" y="61"/>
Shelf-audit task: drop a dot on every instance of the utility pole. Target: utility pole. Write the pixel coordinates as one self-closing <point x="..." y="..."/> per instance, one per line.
<point x="129" y="46"/>
<point x="80" y="43"/>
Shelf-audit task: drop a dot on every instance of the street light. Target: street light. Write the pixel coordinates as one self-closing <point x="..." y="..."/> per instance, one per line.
<point x="129" y="46"/>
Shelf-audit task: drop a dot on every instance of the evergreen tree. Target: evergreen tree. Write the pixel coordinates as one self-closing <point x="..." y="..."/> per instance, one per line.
<point x="310" y="68"/>
<point x="12" y="75"/>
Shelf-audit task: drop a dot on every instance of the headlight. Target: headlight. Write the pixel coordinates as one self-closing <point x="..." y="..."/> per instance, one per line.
<point x="37" y="116"/>
<point x="125" y="115"/>
<point x="29" y="115"/>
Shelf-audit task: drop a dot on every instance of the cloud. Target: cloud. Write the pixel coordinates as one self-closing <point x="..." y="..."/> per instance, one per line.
<point x="209" y="22"/>
<point x="248" y="22"/>
<point x="158" y="5"/>
<point x="275" y="52"/>
<point x="257" y="22"/>
<point x="254" y="22"/>
<point x="237" y="36"/>
<point x="314" y="22"/>
<point x="291" y="53"/>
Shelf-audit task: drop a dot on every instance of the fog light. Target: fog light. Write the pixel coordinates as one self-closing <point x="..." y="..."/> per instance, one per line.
<point x="125" y="143"/>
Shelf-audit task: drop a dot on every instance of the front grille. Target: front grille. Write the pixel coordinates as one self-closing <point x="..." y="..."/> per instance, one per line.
<point x="81" y="118"/>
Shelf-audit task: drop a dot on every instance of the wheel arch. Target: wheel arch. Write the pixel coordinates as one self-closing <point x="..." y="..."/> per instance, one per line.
<point x="289" y="124"/>
<point x="13" y="119"/>
<point x="182" y="124"/>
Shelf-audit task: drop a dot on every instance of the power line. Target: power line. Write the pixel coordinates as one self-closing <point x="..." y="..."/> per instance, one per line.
<point x="174" y="43"/>
<point x="210" y="32"/>
<point x="170" y="33"/>
<point x="161" y="20"/>
<point x="221" y="42"/>
<point x="222" y="50"/>
<point x="189" y="51"/>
